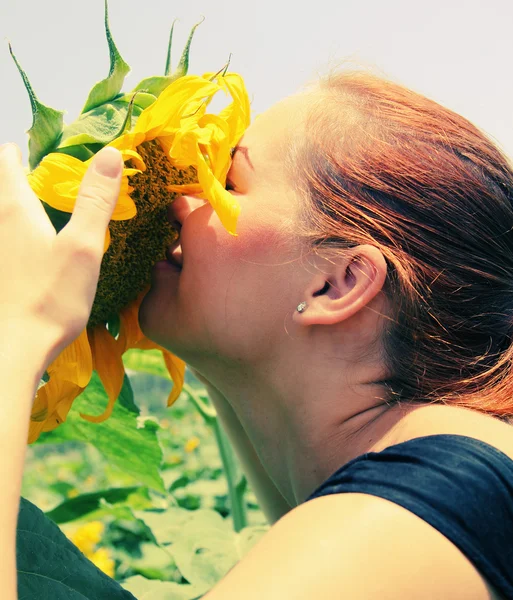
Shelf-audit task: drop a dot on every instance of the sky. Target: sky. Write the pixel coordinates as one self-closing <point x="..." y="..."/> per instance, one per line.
<point x="459" y="53"/>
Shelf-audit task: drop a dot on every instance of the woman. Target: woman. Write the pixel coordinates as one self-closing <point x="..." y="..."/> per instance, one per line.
<point x="355" y="339"/>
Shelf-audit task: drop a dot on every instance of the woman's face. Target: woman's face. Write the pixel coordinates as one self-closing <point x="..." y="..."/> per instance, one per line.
<point x="233" y="295"/>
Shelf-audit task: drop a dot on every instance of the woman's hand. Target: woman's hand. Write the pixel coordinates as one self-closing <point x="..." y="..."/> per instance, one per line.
<point x="47" y="280"/>
<point x="47" y="286"/>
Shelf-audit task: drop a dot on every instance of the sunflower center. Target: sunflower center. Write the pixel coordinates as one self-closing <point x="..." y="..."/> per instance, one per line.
<point x="137" y="244"/>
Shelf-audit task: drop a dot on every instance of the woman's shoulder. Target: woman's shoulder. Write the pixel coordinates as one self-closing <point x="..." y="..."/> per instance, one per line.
<point x="441" y="419"/>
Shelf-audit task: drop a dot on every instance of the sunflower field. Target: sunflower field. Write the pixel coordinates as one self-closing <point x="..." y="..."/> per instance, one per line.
<point x="149" y="504"/>
<point x="131" y="488"/>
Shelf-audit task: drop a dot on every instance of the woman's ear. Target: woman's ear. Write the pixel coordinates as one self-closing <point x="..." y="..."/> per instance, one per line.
<point x="349" y="282"/>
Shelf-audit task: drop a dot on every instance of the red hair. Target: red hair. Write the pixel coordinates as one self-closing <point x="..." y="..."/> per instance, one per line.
<point x="383" y="165"/>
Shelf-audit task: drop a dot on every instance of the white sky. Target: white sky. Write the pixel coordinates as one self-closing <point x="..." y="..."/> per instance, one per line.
<point x="458" y="52"/>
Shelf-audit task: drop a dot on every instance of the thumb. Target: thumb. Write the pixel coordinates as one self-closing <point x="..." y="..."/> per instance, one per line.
<point x="97" y="197"/>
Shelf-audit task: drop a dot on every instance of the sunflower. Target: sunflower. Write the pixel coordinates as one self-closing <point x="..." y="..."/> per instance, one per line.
<point x="170" y="145"/>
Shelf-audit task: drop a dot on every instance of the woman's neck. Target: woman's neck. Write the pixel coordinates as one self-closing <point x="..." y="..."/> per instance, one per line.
<point x="305" y="423"/>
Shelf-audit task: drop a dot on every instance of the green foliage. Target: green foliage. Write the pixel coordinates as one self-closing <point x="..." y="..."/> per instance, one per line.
<point x="77" y="507"/>
<point x="50" y="567"/>
<point x="47" y="123"/>
<point x="146" y="361"/>
<point x="167" y="545"/>
<point x="107" y="89"/>
<point x="147" y="589"/>
<point x="100" y="125"/>
<point x="124" y="439"/>
<point x="202" y="544"/>
<point x="157" y="84"/>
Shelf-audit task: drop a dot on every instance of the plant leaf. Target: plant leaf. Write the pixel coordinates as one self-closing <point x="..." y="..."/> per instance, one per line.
<point x="136" y="451"/>
<point x="146" y="361"/>
<point x="165" y="525"/>
<point x="47" y="123"/>
<point x="50" y="567"/>
<point x="100" y="125"/>
<point x="167" y="70"/>
<point x="205" y="550"/>
<point x="126" y="397"/>
<point x="155" y="85"/>
<point x="150" y="589"/>
<point x="77" y="507"/>
<point x="183" y="65"/>
<point x="107" y="89"/>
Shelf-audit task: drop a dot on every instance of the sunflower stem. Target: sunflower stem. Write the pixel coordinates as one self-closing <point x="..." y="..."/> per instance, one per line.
<point x="236" y="480"/>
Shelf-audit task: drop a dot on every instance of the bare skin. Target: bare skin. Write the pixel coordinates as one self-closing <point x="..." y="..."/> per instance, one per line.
<point x="304" y="386"/>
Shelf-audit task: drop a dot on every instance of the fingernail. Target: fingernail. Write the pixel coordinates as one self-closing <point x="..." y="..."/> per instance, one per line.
<point x="108" y="162"/>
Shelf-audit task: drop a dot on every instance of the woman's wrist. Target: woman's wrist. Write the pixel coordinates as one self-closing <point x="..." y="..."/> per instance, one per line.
<point x="22" y="358"/>
<point x="22" y="365"/>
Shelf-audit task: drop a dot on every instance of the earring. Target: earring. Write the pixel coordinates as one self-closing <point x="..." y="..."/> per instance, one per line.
<point x="301" y="307"/>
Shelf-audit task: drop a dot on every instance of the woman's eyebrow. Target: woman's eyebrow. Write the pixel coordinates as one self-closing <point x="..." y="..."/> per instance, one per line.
<point x="244" y="151"/>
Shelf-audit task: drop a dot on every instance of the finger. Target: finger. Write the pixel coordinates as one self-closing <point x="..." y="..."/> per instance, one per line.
<point x="97" y="198"/>
<point x="15" y="191"/>
<point x="80" y="244"/>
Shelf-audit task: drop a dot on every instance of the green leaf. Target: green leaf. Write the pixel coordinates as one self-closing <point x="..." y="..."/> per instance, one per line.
<point x="58" y="218"/>
<point x="77" y="507"/>
<point x="167" y="70"/>
<point x="127" y="400"/>
<point x="146" y="361"/>
<point x="44" y="380"/>
<point x="155" y="85"/>
<point x="107" y="89"/>
<point x="47" y="123"/>
<point x="50" y="567"/>
<point x="100" y="125"/>
<point x="150" y="589"/>
<point x="205" y="550"/>
<point x="183" y="65"/>
<point x="134" y="449"/>
<point x="165" y="525"/>
<point x="141" y="99"/>
<point x="248" y="537"/>
<point x="81" y="152"/>
<point x="154" y="562"/>
<point x="113" y="325"/>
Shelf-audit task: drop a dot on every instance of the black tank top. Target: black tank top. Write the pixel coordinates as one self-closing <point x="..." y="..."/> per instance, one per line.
<point x="461" y="486"/>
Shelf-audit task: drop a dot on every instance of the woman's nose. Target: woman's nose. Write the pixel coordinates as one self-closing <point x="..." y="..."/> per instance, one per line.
<point x="182" y="207"/>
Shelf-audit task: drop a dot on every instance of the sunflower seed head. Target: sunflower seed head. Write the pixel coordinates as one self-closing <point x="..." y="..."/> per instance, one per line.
<point x="137" y="244"/>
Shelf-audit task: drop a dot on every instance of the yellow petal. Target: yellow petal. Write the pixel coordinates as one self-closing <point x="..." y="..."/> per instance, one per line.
<point x="176" y="368"/>
<point x="57" y="178"/>
<point x="225" y="204"/>
<point x="238" y="113"/>
<point x="186" y="188"/>
<point x="57" y="394"/>
<point x="74" y="363"/>
<point x="109" y="366"/>
<point x="218" y="148"/>
<point x="129" y="331"/>
<point x="180" y="99"/>
<point x="67" y="393"/>
<point x="54" y="169"/>
<point x="106" y="242"/>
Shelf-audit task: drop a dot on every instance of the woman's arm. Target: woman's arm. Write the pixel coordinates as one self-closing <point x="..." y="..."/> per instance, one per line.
<point x="21" y="368"/>
<point x="47" y="286"/>
<point x="270" y="499"/>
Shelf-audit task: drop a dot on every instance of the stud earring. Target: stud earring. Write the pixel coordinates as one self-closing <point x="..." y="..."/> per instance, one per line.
<point x="301" y="307"/>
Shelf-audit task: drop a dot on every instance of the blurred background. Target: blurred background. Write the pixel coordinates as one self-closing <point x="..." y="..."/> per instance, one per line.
<point x="458" y="53"/>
